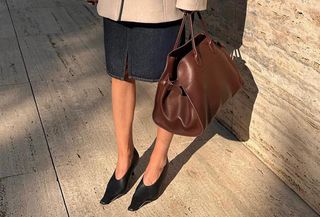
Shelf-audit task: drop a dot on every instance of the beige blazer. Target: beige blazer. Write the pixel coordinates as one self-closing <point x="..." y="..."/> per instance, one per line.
<point x="147" y="11"/>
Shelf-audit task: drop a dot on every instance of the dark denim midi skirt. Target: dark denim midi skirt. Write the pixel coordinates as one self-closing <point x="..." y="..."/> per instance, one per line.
<point x="138" y="50"/>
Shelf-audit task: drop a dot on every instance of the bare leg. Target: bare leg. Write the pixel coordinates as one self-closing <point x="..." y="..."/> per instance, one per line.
<point x="158" y="157"/>
<point x="123" y="105"/>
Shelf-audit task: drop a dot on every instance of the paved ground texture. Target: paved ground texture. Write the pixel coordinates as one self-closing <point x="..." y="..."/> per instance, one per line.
<point x="57" y="147"/>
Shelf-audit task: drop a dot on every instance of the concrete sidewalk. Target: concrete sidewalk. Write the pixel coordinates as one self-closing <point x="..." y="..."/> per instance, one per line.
<point x="57" y="146"/>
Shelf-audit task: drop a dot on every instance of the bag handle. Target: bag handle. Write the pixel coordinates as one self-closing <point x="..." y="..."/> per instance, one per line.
<point x="180" y="30"/>
<point x="203" y="26"/>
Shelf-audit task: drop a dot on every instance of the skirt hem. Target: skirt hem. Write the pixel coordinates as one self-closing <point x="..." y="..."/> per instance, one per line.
<point x="123" y="78"/>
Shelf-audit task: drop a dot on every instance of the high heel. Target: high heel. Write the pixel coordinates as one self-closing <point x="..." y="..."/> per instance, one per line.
<point x="147" y="193"/>
<point x="116" y="188"/>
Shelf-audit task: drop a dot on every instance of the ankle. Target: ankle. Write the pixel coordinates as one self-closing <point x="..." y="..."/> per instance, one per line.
<point x="157" y="163"/>
<point x="158" y="158"/>
<point x="126" y="151"/>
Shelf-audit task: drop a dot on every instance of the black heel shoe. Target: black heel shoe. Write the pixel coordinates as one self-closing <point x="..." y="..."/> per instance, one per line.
<point x="116" y="188"/>
<point x="147" y="193"/>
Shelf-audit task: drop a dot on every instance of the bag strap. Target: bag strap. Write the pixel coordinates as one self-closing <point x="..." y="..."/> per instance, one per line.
<point x="189" y="15"/>
<point x="182" y="26"/>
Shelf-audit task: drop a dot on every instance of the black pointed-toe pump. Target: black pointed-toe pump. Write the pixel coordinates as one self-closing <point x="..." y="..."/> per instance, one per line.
<point x="116" y="188"/>
<point x="147" y="193"/>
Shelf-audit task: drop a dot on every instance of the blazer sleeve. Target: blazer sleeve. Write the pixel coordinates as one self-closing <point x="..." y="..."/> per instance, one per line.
<point x="192" y="5"/>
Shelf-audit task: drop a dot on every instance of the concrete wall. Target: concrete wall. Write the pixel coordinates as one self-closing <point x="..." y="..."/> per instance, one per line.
<point x="277" y="113"/>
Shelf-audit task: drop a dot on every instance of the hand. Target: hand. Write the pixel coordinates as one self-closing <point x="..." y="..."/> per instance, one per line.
<point x="93" y="2"/>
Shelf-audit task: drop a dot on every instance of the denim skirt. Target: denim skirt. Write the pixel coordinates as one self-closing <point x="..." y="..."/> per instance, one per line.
<point x="138" y="50"/>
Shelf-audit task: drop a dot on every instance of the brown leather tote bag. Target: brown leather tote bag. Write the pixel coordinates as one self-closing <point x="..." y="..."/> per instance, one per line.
<point x="199" y="77"/>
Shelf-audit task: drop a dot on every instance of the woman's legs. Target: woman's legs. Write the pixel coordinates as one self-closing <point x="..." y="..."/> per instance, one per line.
<point x="123" y="105"/>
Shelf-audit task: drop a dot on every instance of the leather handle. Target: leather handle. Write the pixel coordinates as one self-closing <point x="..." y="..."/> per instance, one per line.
<point x="194" y="48"/>
<point x="180" y="30"/>
<point x="204" y="27"/>
<point x="187" y="15"/>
